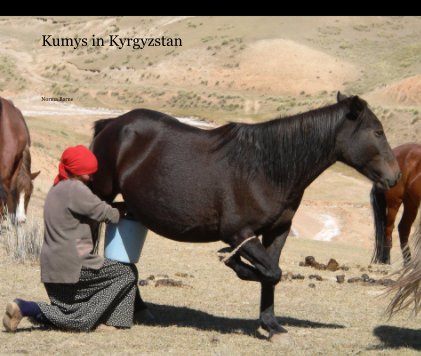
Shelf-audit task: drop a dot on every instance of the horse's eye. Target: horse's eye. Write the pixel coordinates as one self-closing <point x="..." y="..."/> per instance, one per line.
<point x="379" y="133"/>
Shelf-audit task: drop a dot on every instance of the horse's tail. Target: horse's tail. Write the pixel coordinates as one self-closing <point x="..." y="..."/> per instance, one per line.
<point x="408" y="285"/>
<point x="378" y="203"/>
<point x="99" y="125"/>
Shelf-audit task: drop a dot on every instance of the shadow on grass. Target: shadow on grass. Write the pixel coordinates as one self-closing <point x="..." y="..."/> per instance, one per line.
<point x="394" y="337"/>
<point x="168" y="315"/>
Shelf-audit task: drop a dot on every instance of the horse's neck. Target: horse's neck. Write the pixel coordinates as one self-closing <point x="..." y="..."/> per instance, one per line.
<point x="310" y="150"/>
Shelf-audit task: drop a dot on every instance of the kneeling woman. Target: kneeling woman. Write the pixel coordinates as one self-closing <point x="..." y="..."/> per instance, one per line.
<point x="85" y="289"/>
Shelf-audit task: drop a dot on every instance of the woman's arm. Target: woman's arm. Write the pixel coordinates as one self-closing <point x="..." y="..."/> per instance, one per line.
<point x="82" y="201"/>
<point x="121" y="206"/>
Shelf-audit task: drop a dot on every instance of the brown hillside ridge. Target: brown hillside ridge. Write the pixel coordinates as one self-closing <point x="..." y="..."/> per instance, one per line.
<point x="403" y="92"/>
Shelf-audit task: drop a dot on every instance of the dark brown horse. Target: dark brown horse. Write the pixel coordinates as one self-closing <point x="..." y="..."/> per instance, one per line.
<point x="236" y="181"/>
<point x="15" y="162"/>
<point x="386" y="204"/>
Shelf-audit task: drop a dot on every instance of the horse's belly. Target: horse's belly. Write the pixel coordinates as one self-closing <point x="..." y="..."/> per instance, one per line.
<point x="185" y="233"/>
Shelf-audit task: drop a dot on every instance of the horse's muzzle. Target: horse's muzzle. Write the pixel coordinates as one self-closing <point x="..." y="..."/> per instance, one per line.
<point x="388" y="183"/>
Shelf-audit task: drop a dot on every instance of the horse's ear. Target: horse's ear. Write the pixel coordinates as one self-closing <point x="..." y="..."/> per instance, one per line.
<point x="356" y="108"/>
<point x="34" y="175"/>
<point x="340" y="96"/>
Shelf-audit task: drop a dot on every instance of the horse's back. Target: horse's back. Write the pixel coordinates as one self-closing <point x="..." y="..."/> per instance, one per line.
<point x="144" y="130"/>
<point x="12" y="123"/>
<point x="144" y="119"/>
<point x="147" y="142"/>
<point x="14" y="135"/>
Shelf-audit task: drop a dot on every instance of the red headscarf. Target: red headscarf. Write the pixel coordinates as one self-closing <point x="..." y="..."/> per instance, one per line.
<point x="77" y="160"/>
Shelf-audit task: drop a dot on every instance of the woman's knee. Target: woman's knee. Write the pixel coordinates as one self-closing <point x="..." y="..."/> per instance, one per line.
<point x="130" y="273"/>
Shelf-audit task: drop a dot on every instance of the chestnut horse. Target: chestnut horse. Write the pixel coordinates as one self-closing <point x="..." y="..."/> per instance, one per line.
<point x="15" y="162"/>
<point x="386" y="204"/>
<point x="236" y="182"/>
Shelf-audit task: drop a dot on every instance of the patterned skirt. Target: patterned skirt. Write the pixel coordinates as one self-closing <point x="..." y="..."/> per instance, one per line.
<point x="103" y="296"/>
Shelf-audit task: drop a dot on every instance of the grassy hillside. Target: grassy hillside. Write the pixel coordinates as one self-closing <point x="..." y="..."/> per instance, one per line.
<point x="228" y="68"/>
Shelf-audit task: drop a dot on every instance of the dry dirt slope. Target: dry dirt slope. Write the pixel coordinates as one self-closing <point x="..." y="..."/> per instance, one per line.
<point x="215" y="313"/>
<point x="228" y="67"/>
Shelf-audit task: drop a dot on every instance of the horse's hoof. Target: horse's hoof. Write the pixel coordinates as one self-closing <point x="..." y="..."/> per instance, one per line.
<point x="282" y="339"/>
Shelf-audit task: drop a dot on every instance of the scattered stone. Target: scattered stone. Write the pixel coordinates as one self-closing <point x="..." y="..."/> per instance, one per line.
<point x="340" y="278"/>
<point x="320" y="266"/>
<point x="354" y="279"/>
<point x="286" y="276"/>
<point x="310" y="261"/>
<point x="168" y="282"/>
<point x="316" y="277"/>
<point x="143" y="282"/>
<point x="181" y="274"/>
<point x="332" y="265"/>
<point x="151" y="277"/>
<point x="371" y="280"/>
<point x="312" y="285"/>
<point x="365" y="277"/>
<point x="363" y="269"/>
<point x="163" y="275"/>
<point x="386" y="282"/>
<point x="297" y="276"/>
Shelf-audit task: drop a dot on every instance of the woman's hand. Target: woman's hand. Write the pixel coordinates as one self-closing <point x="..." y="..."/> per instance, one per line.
<point x="121" y="207"/>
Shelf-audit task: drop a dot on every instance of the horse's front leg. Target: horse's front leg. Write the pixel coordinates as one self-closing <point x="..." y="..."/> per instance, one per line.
<point x="247" y="245"/>
<point x="273" y="243"/>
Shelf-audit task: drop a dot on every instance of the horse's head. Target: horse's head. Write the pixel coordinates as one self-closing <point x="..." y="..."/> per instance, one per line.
<point x="362" y="144"/>
<point x="25" y="188"/>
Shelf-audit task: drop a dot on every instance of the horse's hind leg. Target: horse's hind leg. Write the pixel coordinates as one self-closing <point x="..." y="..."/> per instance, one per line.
<point x="392" y="210"/>
<point x="410" y="209"/>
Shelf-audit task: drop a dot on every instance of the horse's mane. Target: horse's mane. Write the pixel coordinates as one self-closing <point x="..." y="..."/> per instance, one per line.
<point x="282" y="145"/>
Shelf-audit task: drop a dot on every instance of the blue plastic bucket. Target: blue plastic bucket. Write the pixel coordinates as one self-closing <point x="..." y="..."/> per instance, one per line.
<point x="124" y="241"/>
